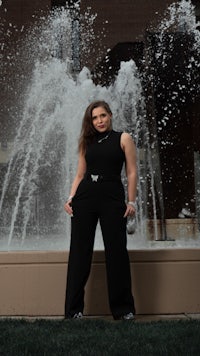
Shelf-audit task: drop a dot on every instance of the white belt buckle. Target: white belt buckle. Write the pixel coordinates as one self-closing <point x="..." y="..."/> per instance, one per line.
<point x="94" y="177"/>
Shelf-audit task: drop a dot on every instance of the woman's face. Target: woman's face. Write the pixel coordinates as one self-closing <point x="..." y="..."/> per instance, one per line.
<point x="101" y="119"/>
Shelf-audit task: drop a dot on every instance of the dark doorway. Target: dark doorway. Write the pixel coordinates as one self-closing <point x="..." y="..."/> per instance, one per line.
<point x="175" y="89"/>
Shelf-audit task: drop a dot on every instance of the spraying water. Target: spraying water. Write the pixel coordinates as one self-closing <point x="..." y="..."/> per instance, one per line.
<point x="43" y="160"/>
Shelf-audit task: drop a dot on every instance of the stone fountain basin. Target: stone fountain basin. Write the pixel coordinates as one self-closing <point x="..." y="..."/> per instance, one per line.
<point x="164" y="281"/>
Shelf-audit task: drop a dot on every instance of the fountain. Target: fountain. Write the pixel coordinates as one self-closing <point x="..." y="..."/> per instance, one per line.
<point x="41" y="159"/>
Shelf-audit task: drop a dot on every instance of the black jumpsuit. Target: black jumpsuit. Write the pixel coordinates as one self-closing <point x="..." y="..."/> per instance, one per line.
<point x="100" y="196"/>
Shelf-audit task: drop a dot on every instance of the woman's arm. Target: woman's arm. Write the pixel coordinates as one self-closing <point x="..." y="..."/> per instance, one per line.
<point x="129" y="149"/>
<point x="81" y="169"/>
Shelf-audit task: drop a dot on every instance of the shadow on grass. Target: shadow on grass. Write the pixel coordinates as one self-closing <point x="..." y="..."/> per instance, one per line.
<point x="98" y="337"/>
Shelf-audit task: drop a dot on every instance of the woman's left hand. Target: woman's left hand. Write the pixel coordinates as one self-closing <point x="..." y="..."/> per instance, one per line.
<point x="130" y="210"/>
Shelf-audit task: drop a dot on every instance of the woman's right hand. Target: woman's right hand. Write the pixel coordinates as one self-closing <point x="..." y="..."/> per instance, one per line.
<point x="68" y="207"/>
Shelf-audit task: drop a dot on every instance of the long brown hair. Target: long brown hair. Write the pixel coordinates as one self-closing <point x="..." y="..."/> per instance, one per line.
<point x="88" y="131"/>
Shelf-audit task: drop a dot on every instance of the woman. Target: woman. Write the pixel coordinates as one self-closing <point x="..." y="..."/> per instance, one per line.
<point x="96" y="194"/>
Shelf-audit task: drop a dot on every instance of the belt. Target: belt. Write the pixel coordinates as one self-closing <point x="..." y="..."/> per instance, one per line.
<point x="102" y="177"/>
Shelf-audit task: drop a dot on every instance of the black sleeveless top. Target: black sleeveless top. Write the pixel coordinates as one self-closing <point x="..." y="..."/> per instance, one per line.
<point x="105" y="156"/>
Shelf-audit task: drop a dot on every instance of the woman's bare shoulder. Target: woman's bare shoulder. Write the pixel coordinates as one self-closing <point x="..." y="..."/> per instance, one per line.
<point x="126" y="138"/>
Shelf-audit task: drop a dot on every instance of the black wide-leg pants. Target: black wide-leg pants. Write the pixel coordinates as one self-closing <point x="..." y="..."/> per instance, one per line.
<point x="103" y="202"/>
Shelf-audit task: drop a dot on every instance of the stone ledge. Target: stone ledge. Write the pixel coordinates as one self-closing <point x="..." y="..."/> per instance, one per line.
<point x="164" y="281"/>
<point x="144" y="255"/>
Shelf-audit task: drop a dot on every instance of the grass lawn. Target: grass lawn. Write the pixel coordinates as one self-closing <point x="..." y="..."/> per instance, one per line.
<point x="99" y="337"/>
